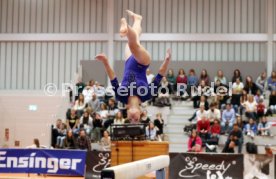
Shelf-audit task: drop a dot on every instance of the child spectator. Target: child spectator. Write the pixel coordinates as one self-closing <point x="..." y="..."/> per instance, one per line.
<point x="195" y="142"/>
<point x="251" y="129"/>
<point x="264" y="127"/>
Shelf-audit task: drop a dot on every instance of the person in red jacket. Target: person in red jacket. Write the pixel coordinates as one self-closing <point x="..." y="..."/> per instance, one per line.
<point x="215" y="130"/>
<point x="203" y="128"/>
<point x="195" y="142"/>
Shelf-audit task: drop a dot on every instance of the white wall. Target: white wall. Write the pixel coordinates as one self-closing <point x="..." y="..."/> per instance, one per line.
<point x="30" y="63"/>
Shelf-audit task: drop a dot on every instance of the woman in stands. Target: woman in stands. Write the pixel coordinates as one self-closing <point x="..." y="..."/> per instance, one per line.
<point x="79" y="105"/>
<point x="137" y="62"/>
<point x="119" y="118"/>
<point x="159" y="123"/>
<point x="271" y="82"/>
<point x="205" y="77"/>
<point x="69" y="141"/>
<point x="250" y="87"/>
<point x="237" y="74"/>
<point x="261" y="82"/>
<point x="72" y="121"/>
<point x="181" y="77"/>
<point x="172" y="81"/>
<point x="194" y="142"/>
<point x="220" y="76"/>
<point x="251" y="108"/>
<point x="144" y="117"/>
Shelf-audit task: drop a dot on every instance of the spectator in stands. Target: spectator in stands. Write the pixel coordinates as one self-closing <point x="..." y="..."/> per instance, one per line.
<point x="94" y="103"/>
<point x="261" y="82"/>
<point x="250" y="128"/>
<point x="215" y="129"/>
<point x="192" y="80"/>
<point x="86" y="123"/>
<point x="99" y="91"/>
<point x="149" y="76"/>
<point x="35" y="145"/>
<point x="239" y="121"/>
<point x="106" y="141"/>
<point x="69" y="141"/>
<point x="214" y="113"/>
<point x="195" y="142"/>
<point x="258" y="96"/>
<point x="250" y="87"/>
<point x="220" y="76"/>
<point x="221" y="97"/>
<point x="237" y="89"/>
<point x="261" y="109"/>
<point x="228" y="118"/>
<point x="181" y="77"/>
<point x="83" y="141"/>
<point x="87" y="92"/>
<point x="112" y="108"/>
<point x="271" y="82"/>
<point x="97" y="127"/>
<point x="264" y="127"/>
<point x="272" y="102"/>
<point x="235" y="139"/>
<point x="80" y="105"/>
<point x="61" y="136"/>
<point x="164" y="95"/>
<point x="199" y="98"/>
<point x="237" y="74"/>
<point x="172" y="81"/>
<point x="72" y="121"/>
<point x="119" y="118"/>
<point x="251" y="107"/>
<point x="55" y="132"/>
<point x="103" y="112"/>
<point x="203" y="128"/>
<point x="144" y="117"/>
<point x="199" y="113"/>
<point x="243" y="101"/>
<point x="159" y="123"/>
<point x="151" y="131"/>
<point x="80" y="86"/>
<point x="205" y="77"/>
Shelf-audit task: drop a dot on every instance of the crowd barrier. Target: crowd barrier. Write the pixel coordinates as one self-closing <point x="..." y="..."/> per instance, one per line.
<point x="182" y="165"/>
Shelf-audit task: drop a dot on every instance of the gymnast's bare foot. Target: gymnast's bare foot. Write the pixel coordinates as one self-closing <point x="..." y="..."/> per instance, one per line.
<point x="165" y="64"/>
<point x="168" y="54"/>
<point x="134" y="16"/>
<point x="123" y="28"/>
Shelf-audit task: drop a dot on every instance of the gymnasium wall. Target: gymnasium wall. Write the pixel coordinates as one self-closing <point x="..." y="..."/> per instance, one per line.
<point x="28" y="64"/>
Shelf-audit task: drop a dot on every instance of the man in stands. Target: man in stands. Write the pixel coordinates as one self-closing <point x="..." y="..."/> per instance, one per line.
<point x="235" y="139"/>
<point x="83" y="141"/>
<point x="94" y="103"/>
<point x="228" y="118"/>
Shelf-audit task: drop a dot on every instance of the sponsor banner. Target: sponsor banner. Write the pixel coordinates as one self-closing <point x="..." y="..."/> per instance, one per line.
<point x="43" y="161"/>
<point x="96" y="161"/>
<point x="259" y="166"/>
<point x="198" y="166"/>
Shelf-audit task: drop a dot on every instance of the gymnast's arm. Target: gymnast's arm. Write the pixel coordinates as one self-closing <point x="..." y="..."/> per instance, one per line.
<point x="102" y="57"/>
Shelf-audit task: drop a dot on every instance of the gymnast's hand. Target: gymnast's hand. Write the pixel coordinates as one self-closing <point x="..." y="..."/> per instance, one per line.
<point x="101" y="57"/>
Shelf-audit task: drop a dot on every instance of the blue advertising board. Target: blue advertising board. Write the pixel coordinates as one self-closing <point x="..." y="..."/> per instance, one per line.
<point x="43" y="161"/>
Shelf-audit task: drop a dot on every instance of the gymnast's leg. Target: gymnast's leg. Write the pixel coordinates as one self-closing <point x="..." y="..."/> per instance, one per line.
<point x="132" y="33"/>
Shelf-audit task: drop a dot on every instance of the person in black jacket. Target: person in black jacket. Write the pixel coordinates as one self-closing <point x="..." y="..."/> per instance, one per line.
<point x="159" y="123"/>
<point x="235" y="139"/>
<point x="272" y="102"/>
<point x="69" y="141"/>
<point x="250" y="87"/>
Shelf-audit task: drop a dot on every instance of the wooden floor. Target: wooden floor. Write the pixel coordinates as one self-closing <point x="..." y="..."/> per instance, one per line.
<point x="31" y="176"/>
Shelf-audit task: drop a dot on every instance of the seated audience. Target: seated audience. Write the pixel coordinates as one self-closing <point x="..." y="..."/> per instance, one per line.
<point x="151" y="131"/>
<point x="87" y="92"/>
<point x="159" y="123"/>
<point x="55" y="132"/>
<point x="264" y="127"/>
<point x="261" y="82"/>
<point x="164" y="95"/>
<point x="69" y="141"/>
<point x="199" y="98"/>
<point x="119" y="118"/>
<point x="35" y="145"/>
<point x="250" y="87"/>
<point x="203" y="128"/>
<point x="106" y="141"/>
<point x="181" y="80"/>
<point x="250" y="128"/>
<point x="237" y="74"/>
<point x="97" y="127"/>
<point x="243" y="100"/>
<point x="86" y="122"/>
<point x="144" y="117"/>
<point x="83" y="141"/>
<point x="99" y="91"/>
<point x="195" y="142"/>
<point x="103" y="112"/>
<point x="221" y="97"/>
<point x="237" y="89"/>
<point x="214" y="113"/>
<point x="258" y="96"/>
<point x="220" y="76"/>
<point x="199" y="113"/>
<point x="80" y="86"/>
<point x="112" y="111"/>
<point x="79" y="105"/>
<point x="271" y="82"/>
<point x="272" y="102"/>
<point x="94" y="103"/>
<point x="239" y="121"/>
<point x="149" y="76"/>
<point x="228" y="118"/>
<point x="172" y="81"/>
<point x="72" y="121"/>
<point x="61" y="136"/>
<point x="204" y="77"/>
<point x="215" y="129"/>
<point x="192" y="80"/>
<point x="251" y="108"/>
<point x="235" y="139"/>
<point x="261" y="109"/>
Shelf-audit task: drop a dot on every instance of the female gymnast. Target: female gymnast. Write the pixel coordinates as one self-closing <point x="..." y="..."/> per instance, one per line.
<point x="137" y="62"/>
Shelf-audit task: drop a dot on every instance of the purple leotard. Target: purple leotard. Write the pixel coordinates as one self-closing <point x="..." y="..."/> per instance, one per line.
<point x="135" y="74"/>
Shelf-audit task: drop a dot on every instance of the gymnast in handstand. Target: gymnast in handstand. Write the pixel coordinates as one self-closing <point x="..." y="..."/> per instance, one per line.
<point x="137" y="62"/>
